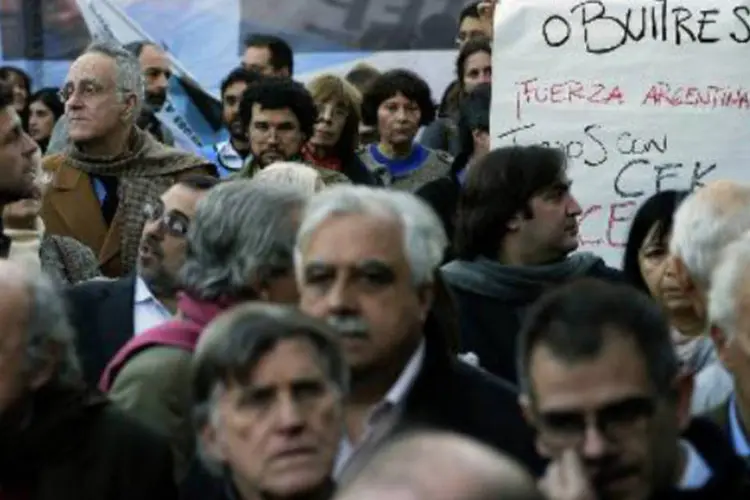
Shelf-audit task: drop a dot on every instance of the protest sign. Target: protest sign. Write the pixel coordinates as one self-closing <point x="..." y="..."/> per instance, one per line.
<point x="642" y="95"/>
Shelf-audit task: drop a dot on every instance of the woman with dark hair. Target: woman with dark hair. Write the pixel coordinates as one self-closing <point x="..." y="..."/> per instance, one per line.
<point x="646" y="266"/>
<point x="45" y="108"/>
<point x="473" y="67"/>
<point x="474" y="132"/>
<point x="20" y="83"/>
<point x="398" y="103"/>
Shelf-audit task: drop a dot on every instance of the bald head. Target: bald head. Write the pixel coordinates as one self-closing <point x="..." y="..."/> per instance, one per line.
<point x="705" y="223"/>
<point x="439" y="466"/>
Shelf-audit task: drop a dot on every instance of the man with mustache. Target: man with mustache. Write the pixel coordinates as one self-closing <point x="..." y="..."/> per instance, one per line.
<point x="600" y="382"/>
<point x="366" y="261"/>
<point x="107" y="314"/>
<point x="279" y="116"/>
<point x="231" y="155"/>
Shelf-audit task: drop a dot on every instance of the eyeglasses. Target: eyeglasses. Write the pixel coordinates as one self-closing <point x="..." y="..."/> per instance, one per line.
<point x="177" y="223"/>
<point x="615" y="421"/>
<point x="86" y="89"/>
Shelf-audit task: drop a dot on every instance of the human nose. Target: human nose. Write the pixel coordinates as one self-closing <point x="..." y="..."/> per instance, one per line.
<point x="594" y="444"/>
<point x="574" y="208"/>
<point x="290" y="415"/>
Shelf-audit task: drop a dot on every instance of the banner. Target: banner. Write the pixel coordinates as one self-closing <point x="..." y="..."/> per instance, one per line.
<point x="642" y="96"/>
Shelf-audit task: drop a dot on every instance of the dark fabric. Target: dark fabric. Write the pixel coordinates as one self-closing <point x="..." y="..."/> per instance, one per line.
<point x="4" y="241"/>
<point x="357" y="172"/>
<point x="492" y="305"/>
<point x="731" y="477"/>
<point x="442" y="195"/>
<point x="101" y="312"/>
<point x="73" y="444"/>
<point x="111" y="198"/>
<point x="453" y="395"/>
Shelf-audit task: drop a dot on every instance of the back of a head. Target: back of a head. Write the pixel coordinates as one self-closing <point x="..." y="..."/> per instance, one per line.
<point x="574" y="322"/>
<point x="292" y="174"/>
<point x="706" y="222"/>
<point x="498" y="186"/>
<point x="437" y="465"/>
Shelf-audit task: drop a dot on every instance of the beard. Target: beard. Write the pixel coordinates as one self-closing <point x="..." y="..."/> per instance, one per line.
<point x="155" y="100"/>
<point x="236" y="131"/>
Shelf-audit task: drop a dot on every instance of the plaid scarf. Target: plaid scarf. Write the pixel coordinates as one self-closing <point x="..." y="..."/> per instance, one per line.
<point x="144" y="171"/>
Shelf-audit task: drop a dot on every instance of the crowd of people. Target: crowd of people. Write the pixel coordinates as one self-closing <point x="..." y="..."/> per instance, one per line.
<point x="352" y="297"/>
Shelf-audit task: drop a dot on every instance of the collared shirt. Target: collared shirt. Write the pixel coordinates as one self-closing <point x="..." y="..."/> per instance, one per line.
<point x="697" y="472"/>
<point x="737" y="433"/>
<point x="393" y="399"/>
<point x="148" y="312"/>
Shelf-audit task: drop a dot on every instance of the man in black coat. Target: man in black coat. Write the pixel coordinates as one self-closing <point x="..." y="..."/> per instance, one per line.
<point x="366" y="263"/>
<point x="516" y="227"/>
<point x="108" y="313"/>
<point x="601" y="384"/>
<point x="58" y="439"/>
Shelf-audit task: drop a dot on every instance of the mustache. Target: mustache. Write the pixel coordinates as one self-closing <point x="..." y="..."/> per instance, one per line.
<point x="349" y="326"/>
<point x="153" y="245"/>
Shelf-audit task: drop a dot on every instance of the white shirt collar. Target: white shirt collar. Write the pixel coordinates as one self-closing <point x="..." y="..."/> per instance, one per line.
<point x="739" y="440"/>
<point x="142" y="293"/>
<point x="697" y="471"/>
<point x="401" y="388"/>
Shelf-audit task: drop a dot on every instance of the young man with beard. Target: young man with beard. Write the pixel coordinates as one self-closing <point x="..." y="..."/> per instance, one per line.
<point x="107" y="314"/>
<point x="279" y="116"/>
<point x="231" y="155"/>
<point x="19" y="168"/>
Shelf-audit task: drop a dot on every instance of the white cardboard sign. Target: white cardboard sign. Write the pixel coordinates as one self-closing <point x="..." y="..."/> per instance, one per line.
<point x="642" y="95"/>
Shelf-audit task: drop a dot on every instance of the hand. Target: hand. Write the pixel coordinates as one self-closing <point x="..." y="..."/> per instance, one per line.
<point x="22" y="214"/>
<point x="566" y="479"/>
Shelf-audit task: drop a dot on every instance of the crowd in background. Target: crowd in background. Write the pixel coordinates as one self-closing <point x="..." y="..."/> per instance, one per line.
<point x="353" y="296"/>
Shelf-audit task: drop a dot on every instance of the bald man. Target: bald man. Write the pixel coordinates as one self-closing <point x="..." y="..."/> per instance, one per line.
<point x="436" y="465"/>
<point x="705" y="224"/>
<point x="58" y="439"/>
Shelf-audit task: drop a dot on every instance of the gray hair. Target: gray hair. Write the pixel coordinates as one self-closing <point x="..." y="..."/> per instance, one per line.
<point x="235" y="342"/>
<point x="242" y="233"/>
<point x="293" y="174"/>
<point x="49" y="333"/>
<point x="729" y="280"/>
<point x="128" y="75"/>
<point x="423" y="233"/>
<point x="704" y="225"/>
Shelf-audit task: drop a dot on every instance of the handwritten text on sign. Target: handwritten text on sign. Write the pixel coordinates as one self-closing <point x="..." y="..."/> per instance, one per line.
<point x="642" y="95"/>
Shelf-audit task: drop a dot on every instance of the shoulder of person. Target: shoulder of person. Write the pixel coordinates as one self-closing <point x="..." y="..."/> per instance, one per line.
<point x="53" y="162"/>
<point x="442" y="156"/>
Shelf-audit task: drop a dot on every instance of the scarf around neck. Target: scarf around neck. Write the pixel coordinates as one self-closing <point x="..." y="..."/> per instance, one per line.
<point x="145" y="170"/>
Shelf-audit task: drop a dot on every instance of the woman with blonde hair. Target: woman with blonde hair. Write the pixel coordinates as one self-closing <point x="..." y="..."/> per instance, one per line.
<point x="335" y="140"/>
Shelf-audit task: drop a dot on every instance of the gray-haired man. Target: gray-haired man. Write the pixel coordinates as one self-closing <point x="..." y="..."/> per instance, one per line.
<point x="59" y="440"/>
<point x="268" y="386"/>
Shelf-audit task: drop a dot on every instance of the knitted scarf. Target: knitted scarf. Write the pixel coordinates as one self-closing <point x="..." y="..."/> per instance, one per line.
<point x="145" y="170"/>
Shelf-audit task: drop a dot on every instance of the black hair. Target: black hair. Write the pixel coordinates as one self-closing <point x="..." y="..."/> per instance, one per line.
<point x="279" y="93"/>
<point x="391" y="83"/>
<point x="471" y="10"/>
<point x="7" y="71"/>
<point x="6" y="95"/>
<point x="281" y="53"/>
<point x="362" y="76"/>
<point x="199" y="182"/>
<point x="49" y="96"/>
<point x="473" y="46"/>
<point x="657" y="210"/>
<point x="575" y="320"/>
<point x="496" y="188"/>
<point x="240" y="75"/>
<point x="137" y="47"/>
<point x="474" y="114"/>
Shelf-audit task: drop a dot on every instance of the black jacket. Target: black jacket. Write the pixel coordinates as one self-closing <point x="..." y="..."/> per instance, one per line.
<point x="101" y="311"/>
<point x="78" y="446"/>
<point x="493" y="299"/>
<point x="730" y="479"/>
